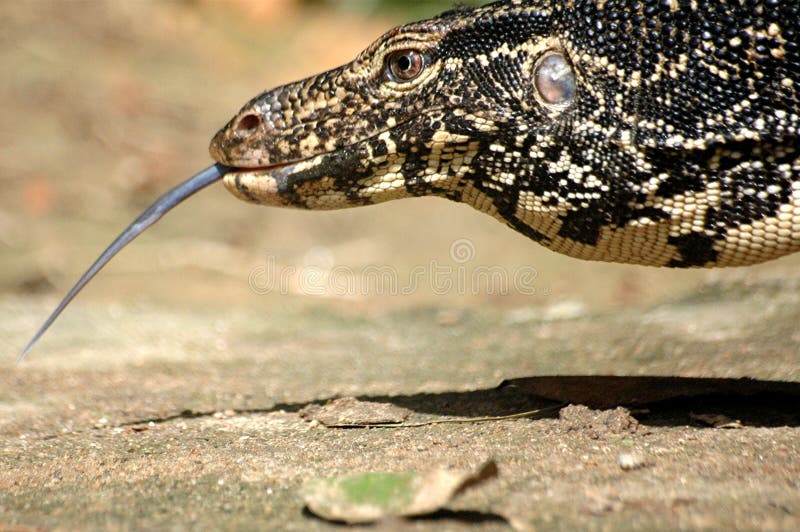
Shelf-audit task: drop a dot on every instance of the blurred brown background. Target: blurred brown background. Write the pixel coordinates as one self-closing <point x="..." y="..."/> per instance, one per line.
<point x="106" y="104"/>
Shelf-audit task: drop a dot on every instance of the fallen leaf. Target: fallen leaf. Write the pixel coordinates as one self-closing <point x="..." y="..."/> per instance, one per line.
<point x="372" y="496"/>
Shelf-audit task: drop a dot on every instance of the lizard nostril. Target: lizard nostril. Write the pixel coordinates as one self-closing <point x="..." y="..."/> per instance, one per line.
<point x="248" y="124"/>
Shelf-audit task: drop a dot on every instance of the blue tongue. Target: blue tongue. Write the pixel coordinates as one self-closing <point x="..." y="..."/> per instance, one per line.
<point x="162" y="206"/>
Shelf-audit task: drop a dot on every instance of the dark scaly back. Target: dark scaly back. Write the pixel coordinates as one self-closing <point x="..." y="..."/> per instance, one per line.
<point x="694" y="101"/>
<point x="681" y="146"/>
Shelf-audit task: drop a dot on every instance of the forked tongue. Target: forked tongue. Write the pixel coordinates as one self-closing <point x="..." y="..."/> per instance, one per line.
<point x="162" y="206"/>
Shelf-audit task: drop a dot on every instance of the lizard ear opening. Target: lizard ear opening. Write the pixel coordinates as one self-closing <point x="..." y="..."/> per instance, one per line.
<point x="555" y="79"/>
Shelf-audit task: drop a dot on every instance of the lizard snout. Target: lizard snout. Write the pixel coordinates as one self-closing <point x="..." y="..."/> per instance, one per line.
<point x="237" y="143"/>
<point x="294" y="122"/>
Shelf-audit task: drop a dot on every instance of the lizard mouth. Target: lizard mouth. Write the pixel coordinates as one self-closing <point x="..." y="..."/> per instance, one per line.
<point x="288" y="184"/>
<point x="329" y="179"/>
<point x="263" y="169"/>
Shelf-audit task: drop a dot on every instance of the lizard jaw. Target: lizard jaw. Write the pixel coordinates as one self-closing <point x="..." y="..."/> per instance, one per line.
<point x="266" y="185"/>
<point x="331" y="180"/>
<point x="367" y="171"/>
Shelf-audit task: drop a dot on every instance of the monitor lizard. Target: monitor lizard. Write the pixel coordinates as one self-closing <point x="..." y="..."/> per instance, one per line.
<point x="653" y="132"/>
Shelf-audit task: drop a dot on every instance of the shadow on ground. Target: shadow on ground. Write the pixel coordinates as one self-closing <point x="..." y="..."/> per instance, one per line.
<point x="653" y="400"/>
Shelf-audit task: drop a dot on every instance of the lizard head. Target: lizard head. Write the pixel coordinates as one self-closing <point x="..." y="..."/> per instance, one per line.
<point x="410" y="116"/>
<point x="661" y="133"/>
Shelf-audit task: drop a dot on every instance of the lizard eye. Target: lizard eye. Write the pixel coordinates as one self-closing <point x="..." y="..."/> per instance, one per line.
<point x="555" y="79"/>
<point x="404" y="65"/>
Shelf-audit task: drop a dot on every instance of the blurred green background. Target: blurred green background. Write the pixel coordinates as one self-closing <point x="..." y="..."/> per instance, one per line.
<point x="106" y="104"/>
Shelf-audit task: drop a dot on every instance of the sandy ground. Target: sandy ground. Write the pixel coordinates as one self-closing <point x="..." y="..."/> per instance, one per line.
<point x="143" y="417"/>
<point x="171" y="394"/>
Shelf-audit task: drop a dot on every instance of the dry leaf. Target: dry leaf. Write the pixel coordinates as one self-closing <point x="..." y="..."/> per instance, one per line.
<point x="372" y="496"/>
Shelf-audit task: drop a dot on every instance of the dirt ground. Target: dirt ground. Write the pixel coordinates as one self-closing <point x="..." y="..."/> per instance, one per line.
<point x="145" y="417"/>
<point x="174" y="393"/>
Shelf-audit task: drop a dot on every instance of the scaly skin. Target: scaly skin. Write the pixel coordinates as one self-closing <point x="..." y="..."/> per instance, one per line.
<point x="680" y="147"/>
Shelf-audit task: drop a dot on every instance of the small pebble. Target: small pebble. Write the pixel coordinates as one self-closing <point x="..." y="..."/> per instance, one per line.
<point x="630" y="461"/>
